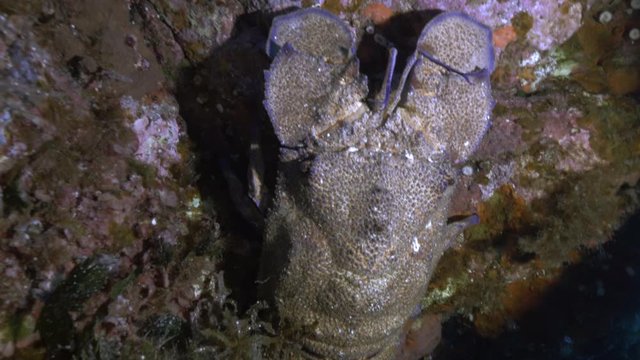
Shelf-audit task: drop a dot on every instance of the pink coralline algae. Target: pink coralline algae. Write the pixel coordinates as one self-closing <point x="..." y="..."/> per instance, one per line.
<point x="576" y="155"/>
<point x="554" y="21"/>
<point x="158" y="132"/>
<point x="87" y="166"/>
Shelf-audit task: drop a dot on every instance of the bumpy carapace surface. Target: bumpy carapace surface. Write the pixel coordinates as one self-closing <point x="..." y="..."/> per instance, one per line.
<point x="360" y="217"/>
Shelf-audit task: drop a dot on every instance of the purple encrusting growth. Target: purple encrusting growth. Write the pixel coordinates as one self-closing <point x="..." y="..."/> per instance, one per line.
<point x="158" y="132"/>
<point x="360" y="217"/>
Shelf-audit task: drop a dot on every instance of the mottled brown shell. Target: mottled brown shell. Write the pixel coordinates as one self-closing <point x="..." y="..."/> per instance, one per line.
<point x="359" y="222"/>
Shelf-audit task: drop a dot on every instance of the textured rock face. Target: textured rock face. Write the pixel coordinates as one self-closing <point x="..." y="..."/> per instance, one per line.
<point x="361" y="213"/>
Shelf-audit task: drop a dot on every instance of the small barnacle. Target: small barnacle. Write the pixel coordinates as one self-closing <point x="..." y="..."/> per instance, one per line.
<point x="605" y="17"/>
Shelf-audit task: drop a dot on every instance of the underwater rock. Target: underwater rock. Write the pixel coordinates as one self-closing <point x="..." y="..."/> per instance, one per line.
<point x="360" y="219"/>
<point x="92" y="165"/>
<point x="196" y="27"/>
<point x="95" y="160"/>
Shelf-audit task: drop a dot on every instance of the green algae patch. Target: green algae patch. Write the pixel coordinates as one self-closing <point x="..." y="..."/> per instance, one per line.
<point x="440" y="294"/>
<point x="55" y="324"/>
<point x="148" y="173"/>
<point x="530" y="122"/>
<point x="122" y="234"/>
<point x="13" y="198"/>
<point x="616" y="129"/>
<point x="120" y="286"/>
<point x="18" y="327"/>
<point x="165" y="330"/>
<point x="522" y="23"/>
<point x="504" y="211"/>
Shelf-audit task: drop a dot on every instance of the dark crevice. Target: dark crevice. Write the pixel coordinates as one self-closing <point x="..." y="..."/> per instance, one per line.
<point x="592" y="312"/>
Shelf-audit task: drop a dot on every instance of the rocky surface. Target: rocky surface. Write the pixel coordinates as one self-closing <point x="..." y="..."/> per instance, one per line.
<point x="126" y="132"/>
